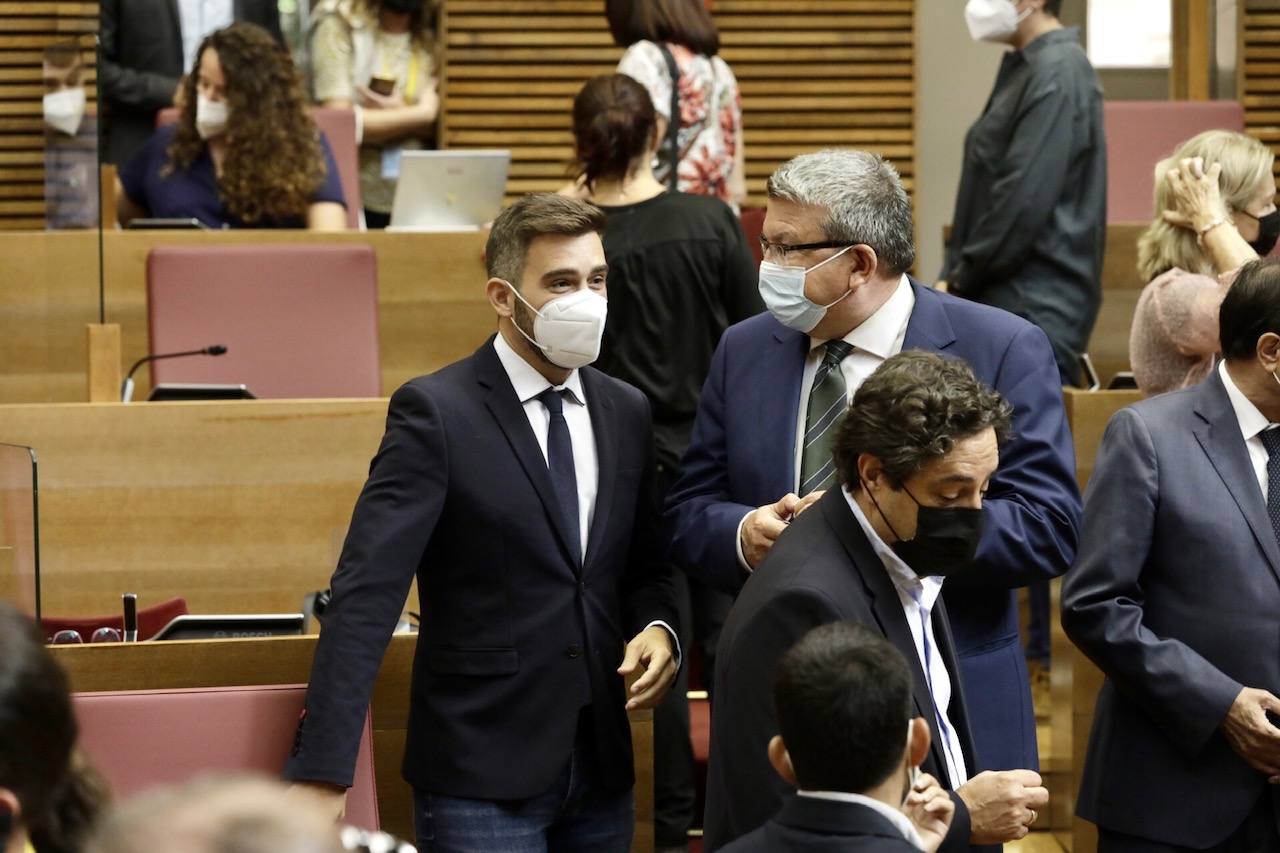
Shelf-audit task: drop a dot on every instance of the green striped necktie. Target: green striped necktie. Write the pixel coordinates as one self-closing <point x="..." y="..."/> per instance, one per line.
<point x="827" y="401"/>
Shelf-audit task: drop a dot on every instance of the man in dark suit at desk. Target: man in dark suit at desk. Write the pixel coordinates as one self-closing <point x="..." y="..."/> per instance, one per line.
<point x="838" y="242"/>
<point x="842" y="695"/>
<point x="1176" y="598"/>
<point x="147" y="45"/>
<point x="914" y="456"/>
<point x="515" y="485"/>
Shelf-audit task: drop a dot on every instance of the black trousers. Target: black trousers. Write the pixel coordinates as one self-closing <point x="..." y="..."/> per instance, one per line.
<point x="1260" y="833"/>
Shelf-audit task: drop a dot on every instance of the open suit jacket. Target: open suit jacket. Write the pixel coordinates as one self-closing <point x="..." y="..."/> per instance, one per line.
<point x="821" y="570"/>
<point x="516" y="638"/>
<point x="142" y="62"/>
<point x="1176" y="597"/>
<point x="807" y="825"/>
<point x="743" y="456"/>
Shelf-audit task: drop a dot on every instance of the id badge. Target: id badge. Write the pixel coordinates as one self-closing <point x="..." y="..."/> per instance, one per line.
<point x="391" y="163"/>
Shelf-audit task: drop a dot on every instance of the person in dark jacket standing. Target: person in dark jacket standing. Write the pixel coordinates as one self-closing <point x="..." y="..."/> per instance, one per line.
<point x="1030" y="216"/>
<point x="147" y="45"/>
<point x="1030" y="221"/>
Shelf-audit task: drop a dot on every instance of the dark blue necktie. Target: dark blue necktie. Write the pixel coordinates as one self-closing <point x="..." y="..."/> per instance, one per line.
<point x="1271" y="441"/>
<point x="560" y="462"/>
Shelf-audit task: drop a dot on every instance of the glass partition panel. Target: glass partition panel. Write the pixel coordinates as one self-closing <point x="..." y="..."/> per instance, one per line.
<point x="19" y="529"/>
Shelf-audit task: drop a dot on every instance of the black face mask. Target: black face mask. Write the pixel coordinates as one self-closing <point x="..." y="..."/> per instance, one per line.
<point x="1268" y="232"/>
<point x="946" y="538"/>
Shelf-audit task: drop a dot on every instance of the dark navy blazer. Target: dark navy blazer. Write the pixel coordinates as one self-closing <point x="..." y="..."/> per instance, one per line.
<point x="1175" y="596"/>
<point x="516" y="637"/>
<point x="742" y="456"/>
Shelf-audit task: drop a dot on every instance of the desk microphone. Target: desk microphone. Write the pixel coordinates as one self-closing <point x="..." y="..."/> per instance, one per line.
<point x="126" y="387"/>
<point x="130" y="601"/>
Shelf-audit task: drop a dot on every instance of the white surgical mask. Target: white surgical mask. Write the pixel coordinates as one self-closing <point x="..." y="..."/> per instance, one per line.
<point x="568" y="329"/>
<point x="782" y="289"/>
<point x="993" y="20"/>
<point x="211" y="117"/>
<point x="64" y="110"/>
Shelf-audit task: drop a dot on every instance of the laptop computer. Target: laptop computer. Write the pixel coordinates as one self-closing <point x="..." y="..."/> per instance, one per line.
<point x="449" y="190"/>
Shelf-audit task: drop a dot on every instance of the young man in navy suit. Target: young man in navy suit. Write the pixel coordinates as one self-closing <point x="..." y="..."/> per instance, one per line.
<point x="843" y="695"/>
<point x="515" y="486"/>
<point x="838" y="242"/>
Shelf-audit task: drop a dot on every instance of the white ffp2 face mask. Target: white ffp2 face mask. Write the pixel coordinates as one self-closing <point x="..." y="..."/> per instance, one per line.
<point x="782" y="289"/>
<point x="211" y="117"/>
<point x="569" y="328"/>
<point x="64" y="110"/>
<point x="993" y="20"/>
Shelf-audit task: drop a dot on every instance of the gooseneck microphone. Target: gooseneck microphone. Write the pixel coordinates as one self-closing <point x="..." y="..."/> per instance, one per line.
<point x="126" y="387"/>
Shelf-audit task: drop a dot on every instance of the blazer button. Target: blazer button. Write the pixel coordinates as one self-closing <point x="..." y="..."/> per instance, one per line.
<point x="573" y="651"/>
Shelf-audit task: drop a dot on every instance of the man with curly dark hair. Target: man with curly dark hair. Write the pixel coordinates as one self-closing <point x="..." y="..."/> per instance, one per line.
<point x="244" y="152"/>
<point x="914" y="457"/>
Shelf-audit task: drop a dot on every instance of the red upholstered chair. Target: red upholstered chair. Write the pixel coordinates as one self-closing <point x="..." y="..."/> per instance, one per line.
<point x="1140" y="134"/>
<point x="752" y="219"/>
<point x="140" y="739"/>
<point x="339" y="127"/>
<point x="150" y="620"/>
<point x="298" y="321"/>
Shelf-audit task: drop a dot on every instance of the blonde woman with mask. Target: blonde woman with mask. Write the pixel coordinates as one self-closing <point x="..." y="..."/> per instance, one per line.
<point x="1215" y="211"/>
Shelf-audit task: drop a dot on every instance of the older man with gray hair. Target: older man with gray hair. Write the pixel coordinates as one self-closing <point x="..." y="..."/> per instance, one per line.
<point x="837" y="241"/>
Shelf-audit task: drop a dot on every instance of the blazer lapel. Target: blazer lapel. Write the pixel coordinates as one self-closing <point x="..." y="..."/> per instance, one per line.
<point x="929" y="327"/>
<point x="957" y="713"/>
<point x="604" y="423"/>
<point x="508" y="411"/>
<point x="887" y="608"/>
<point x="775" y="402"/>
<point x="1220" y="439"/>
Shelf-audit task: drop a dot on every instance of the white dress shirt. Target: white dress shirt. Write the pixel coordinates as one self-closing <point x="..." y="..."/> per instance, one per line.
<point x="198" y="18"/>
<point x="1252" y="425"/>
<point x="876" y="339"/>
<point x="900" y="821"/>
<point x="528" y="384"/>
<point x="918" y="596"/>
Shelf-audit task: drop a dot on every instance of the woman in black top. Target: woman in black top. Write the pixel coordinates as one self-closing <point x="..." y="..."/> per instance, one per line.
<point x="680" y="272"/>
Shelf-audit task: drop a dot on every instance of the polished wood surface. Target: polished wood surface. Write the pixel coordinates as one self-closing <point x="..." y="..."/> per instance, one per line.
<point x="431" y="304"/>
<point x="235" y="506"/>
<point x="287" y="660"/>
<point x="1075" y="680"/>
<point x="103" y="343"/>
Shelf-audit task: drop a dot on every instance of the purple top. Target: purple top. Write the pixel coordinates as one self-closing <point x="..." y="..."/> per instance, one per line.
<point x="193" y="192"/>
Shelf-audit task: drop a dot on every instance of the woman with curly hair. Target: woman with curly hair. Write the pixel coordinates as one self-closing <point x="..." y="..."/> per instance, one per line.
<point x="244" y="153"/>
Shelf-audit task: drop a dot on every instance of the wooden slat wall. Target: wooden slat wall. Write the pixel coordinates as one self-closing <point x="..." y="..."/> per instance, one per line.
<point x="1258" y="76"/>
<point x="25" y="30"/>
<point x="813" y="73"/>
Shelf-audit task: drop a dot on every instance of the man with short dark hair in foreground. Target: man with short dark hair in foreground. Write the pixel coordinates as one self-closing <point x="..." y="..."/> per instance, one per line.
<point x="842" y="695"/>
<point x="914" y="455"/>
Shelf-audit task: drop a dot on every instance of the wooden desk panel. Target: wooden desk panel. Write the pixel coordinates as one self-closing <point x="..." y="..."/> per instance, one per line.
<point x="432" y="308"/>
<point x="234" y="505"/>
<point x="287" y="660"/>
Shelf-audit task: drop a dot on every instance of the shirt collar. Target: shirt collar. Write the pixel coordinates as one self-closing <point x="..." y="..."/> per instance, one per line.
<point x="1065" y="34"/>
<point x="924" y="591"/>
<point x="897" y="818"/>
<point x="1250" y="419"/>
<point x="879" y="333"/>
<point x="528" y="382"/>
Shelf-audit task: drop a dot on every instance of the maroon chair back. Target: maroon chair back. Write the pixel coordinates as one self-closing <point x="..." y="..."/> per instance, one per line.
<point x="150" y="620"/>
<point x="140" y="739"/>
<point x="299" y="321"/>
<point x="339" y="127"/>
<point x="752" y="219"/>
<point x="1141" y="134"/>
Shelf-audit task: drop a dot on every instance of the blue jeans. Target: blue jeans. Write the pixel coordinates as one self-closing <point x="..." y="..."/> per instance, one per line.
<point x="573" y="816"/>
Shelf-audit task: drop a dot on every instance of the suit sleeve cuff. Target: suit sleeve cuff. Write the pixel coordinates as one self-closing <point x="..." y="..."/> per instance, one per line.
<point x="675" y="639"/>
<point x="742" y="558"/>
